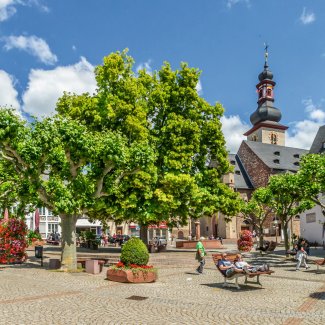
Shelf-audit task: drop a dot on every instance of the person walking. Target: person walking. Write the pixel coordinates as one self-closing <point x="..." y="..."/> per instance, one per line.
<point x="200" y="256"/>
<point x="301" y="258"/>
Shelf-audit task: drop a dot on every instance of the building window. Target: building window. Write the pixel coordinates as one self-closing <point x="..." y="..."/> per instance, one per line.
<point x="254" y="137"/>
<point x="296" y="155"/>
<point x="237" y="172"/>
<point x="277" y="153"/>
<point x="233" y="162"/>
<point x="296" y="163"/>
<point x="276" y="161"/>
<point x="273" y="138"/>
<point x="52" y="227"/>
<point x="310" y="217"/>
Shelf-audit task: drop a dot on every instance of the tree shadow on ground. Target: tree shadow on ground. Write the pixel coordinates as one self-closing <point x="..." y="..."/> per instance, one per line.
<point x="243" y="287"/>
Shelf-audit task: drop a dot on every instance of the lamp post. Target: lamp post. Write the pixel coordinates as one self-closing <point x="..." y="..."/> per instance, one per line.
<point x="276" y="222"/>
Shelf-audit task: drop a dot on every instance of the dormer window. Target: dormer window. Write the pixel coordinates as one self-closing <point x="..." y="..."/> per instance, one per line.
<point x="296" y="155"/>
<point x="277" y="153"/>
<point x="276" y="161"/>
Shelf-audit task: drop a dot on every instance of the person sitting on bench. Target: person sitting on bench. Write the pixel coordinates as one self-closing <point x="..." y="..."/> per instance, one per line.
<point x="241" y="264"/>
<point x="266" y="245"/>
<point x="227" y="268"/>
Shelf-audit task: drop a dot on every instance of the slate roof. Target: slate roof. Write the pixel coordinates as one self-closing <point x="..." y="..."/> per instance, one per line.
<point x="277" y="157"/>
<point x="241" y="178"/>
<point x="317" y="145"/>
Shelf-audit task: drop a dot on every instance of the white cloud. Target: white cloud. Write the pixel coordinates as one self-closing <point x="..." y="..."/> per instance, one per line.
<point x="199" y="88"/>
<point x="145" y="65"/>
<point x="231" y="3"/>
<point x="33" y="45"/>
<point x="307" y="17"/>
<point x="8" y="7"/>
<point x="46" y="86"/>
<point x="302" y="133"/>
<point x="233" y="129"/>
<point x="8" y="93"/>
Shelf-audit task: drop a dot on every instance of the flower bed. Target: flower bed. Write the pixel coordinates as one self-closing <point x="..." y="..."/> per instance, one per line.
<point x="133" y="273"/>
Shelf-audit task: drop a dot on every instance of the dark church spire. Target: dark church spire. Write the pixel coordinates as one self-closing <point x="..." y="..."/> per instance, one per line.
<point x="265" y="110"/>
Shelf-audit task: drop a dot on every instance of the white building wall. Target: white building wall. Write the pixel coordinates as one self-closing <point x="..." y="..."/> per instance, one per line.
<point x="311" y="225"/>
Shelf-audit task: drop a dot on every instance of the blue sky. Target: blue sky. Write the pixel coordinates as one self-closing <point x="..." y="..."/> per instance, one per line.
<point x="47" y="47"/>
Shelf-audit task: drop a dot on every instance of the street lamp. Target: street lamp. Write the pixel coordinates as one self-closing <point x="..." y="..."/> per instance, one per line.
<point x="276" y="222"/>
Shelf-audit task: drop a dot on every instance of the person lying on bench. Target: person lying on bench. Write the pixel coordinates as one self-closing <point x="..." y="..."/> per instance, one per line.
<point x="227" y="268"/>
<point x="241" y="264"/>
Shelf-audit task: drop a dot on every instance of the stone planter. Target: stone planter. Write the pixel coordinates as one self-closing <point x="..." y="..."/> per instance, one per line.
<point x="130" y="276"/>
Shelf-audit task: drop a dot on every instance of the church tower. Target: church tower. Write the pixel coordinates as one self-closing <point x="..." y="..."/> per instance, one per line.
<point x="266" y="127"/>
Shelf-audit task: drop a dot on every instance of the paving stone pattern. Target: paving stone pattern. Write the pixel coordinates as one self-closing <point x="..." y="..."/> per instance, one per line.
<point x="30" y="294"/>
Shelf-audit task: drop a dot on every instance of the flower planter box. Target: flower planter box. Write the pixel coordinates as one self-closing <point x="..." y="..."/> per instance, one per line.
<point x="130" y="276"/>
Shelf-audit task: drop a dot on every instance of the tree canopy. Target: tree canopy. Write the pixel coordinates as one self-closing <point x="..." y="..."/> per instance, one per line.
<point x="288" y="199"/>
<point x="312" y="172"/>
<point x="257" y="209"/>
<point x="165" y="111"/>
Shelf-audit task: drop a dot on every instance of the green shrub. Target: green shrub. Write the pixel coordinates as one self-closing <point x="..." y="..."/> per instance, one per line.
<point x="134" y="251"/>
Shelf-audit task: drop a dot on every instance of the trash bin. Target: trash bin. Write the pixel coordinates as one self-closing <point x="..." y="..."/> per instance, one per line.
<point x="39" y="251"/>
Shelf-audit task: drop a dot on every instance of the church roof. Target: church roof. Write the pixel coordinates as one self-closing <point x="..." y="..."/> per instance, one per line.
<point x="318" y="144"/>
<point x="241" y="178"/>
<point x="277" y="157"/>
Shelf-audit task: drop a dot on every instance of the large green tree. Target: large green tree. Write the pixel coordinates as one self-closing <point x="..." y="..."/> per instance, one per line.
<point x="312" y="171"/>
<point x="165" y="109"/>
<point x="257" y="209"/>
<point x="288" y="200"/>
<point x="70" y="167"/>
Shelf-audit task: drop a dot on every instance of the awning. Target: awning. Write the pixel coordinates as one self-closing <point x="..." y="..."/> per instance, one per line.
<point x="87" y="223"/>
<point x="133" y="225"/>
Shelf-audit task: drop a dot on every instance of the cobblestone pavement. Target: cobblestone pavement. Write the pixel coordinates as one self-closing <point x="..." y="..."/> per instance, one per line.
<point x="31" y="294"/>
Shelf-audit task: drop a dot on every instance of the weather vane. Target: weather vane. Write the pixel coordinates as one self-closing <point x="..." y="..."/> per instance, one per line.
<point x="266" y="54"/>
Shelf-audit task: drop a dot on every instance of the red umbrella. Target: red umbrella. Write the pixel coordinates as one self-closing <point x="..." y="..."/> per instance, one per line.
<point x="6" y="215"/>
<point x="36" y="216"/>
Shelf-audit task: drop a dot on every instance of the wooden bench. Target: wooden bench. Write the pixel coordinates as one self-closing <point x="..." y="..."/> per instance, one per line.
<point x="231" y="258"/>
<point x="319" y="263"/>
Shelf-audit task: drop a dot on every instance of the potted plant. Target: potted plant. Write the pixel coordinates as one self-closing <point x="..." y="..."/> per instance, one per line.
<point x="133" y="264"/>
<point x="34" y="238"/>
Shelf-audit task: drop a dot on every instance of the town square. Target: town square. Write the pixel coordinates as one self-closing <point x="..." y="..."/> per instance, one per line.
<point x="162" y="162"/>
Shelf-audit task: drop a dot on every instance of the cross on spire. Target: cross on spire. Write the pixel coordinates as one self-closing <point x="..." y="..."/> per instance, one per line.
<point x="266" y="54"/>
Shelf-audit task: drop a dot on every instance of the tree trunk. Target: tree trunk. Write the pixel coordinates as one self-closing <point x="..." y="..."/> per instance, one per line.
<point x="260" y="236"/>
<point x="144" y="234"/>
<point x="69" y="243"/>
<point x="286" y="237"/>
